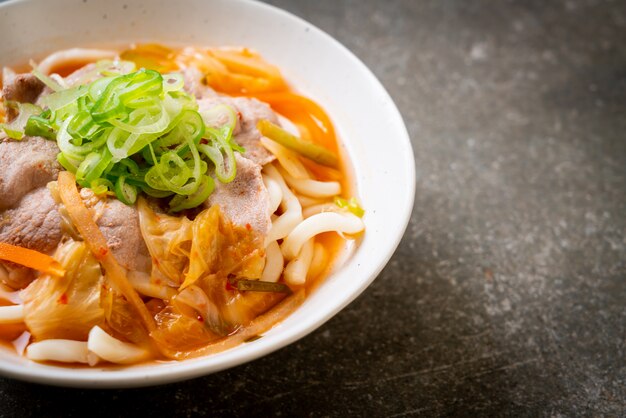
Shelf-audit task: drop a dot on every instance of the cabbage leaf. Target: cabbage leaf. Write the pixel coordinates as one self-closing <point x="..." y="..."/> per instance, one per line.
<point x="66" y="307"/>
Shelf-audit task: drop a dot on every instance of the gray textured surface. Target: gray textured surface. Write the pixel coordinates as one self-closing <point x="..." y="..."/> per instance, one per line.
<point x="507" y="296"/>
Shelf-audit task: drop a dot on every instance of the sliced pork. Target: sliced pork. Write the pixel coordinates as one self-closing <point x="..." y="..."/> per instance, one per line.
<point x="119" y="224"/>
<point x="34" y="223"/>
<point x="23" y="88"/>
<point x="24" y="166"/>
<point x="245" y="200"/>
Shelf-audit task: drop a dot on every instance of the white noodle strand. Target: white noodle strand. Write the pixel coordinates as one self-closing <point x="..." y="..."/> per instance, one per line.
<point x="311" y="187"/>
<point x="114" y="350"/>
<point x="68" y="56"/>
<point x="321" y="208"/>
<point x="316" y="224"/>
<point x="292" y="211"/>
<point x="274" y="263"/>
<point x="297" y="269"/>
<point x="307" y="201"/>
<point x="11" y="314"/>
<point x="275" y="192"/>
<point x="65" y="351"/>
<point x="287" y="159"/>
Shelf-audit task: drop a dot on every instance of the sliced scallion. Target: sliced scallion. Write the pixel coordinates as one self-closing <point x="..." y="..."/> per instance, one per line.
<point x="126" y="193"/>
<point x="15" y="128"/>
<point x="352" y="205"/>
<point x="40" y="125"/>
<point x="307" y="149"/>
<point x="259" y="286"/>
<point x="47" y="80"/>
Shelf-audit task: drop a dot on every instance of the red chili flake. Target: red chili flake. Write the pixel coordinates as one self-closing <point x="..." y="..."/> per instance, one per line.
<point x="239" y="115"/>
<point x="204" y="141"/>
<point x="63" y="299"/>
<point x="248" y="227"/>
<point x="157" y="281"/>
<point x="155" y="261"/>
<point x="200" y="318"/>
<point x="230" y="286"/>
<point x="102" y="252"/>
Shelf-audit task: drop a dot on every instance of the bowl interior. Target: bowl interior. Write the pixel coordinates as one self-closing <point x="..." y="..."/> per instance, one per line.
<point x="370" y="127"/>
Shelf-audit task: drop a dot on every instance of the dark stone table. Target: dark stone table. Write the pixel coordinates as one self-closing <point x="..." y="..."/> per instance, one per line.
<point x="507" y="296"/>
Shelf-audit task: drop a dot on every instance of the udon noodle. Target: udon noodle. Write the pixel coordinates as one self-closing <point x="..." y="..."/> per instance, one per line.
<point x="161" y="203"/>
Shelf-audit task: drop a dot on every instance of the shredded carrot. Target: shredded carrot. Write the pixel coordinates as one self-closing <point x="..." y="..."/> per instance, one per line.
<point x="31" y="258"/>
<point x="244" y="61"/>
<point x="243" y="71"/>
<point x="82" y="219"/>
<point x="234" y="71"/>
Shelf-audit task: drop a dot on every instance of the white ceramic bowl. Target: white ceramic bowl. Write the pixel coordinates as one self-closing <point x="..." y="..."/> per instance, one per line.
<point x="366" y="119"/>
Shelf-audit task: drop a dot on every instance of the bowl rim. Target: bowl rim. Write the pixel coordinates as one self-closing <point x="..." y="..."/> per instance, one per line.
<point x="127" y="377"/>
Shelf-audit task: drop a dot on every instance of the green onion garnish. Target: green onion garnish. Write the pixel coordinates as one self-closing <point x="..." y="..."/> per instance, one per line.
<point x="125" y="192"/>
<point x="15" y="128"/>
<point x="259" y="286"/>
<point x="352" y="205"/>
<point x="52" y="84"/>
<point x="40" y="126"/>
<point x="126" y="133"/>
<point x="305" y="148"/>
